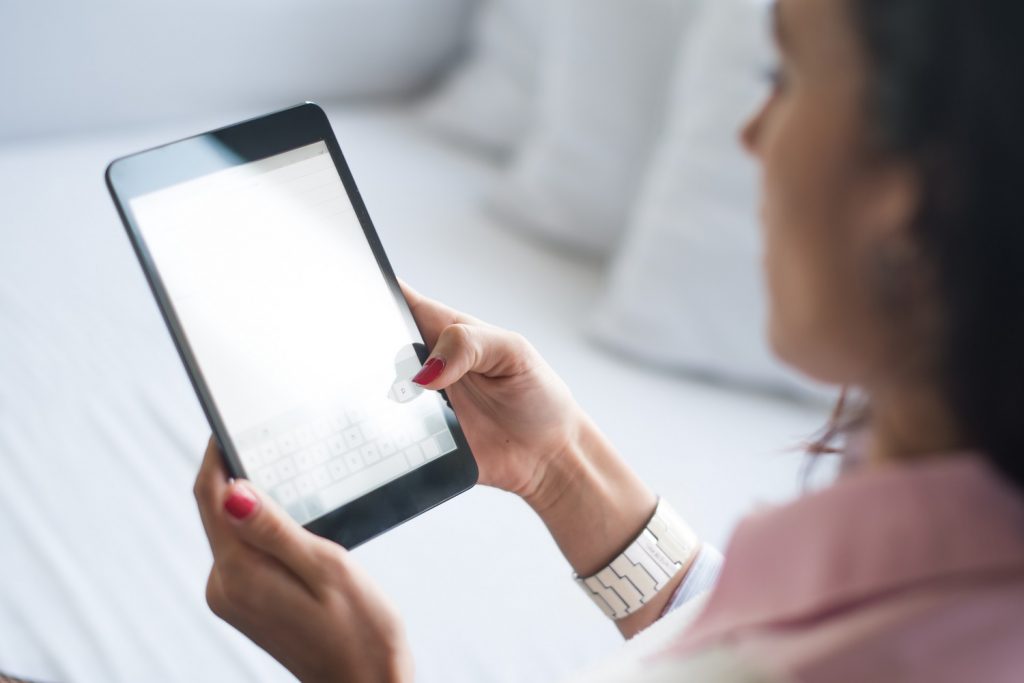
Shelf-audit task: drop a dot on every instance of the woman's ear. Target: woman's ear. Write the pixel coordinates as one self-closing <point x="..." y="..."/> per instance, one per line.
<point x="897" y="271"/>
<point x="890" y="203"/>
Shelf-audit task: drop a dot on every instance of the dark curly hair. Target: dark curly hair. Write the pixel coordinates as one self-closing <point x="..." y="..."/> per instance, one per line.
<point x="947" y="92"/>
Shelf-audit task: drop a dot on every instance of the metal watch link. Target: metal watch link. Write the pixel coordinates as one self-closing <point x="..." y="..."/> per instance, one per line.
<point x="662" y="549"/>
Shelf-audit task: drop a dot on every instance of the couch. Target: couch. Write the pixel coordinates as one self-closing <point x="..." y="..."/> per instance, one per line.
<point x="103" y="561"/>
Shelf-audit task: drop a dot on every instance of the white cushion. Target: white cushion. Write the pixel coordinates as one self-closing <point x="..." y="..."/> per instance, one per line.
<point x="73" y="66"/>
<point x="488" y="100"/>
<point x="686" y="290"/>
<point x="602" y="101"/>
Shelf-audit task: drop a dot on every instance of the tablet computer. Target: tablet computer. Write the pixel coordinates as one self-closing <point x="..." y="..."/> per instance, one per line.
<point x="290" y="323"/>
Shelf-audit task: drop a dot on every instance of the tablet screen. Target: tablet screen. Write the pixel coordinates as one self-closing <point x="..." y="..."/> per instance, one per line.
<point x="294" y="329"/>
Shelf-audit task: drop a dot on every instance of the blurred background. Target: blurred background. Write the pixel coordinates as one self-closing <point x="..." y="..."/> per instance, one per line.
<point x="565" y="168"/>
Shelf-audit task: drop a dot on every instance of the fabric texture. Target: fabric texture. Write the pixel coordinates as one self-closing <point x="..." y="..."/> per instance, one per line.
<point x="601" y="105"/>
<point x="636" y="662"/>
<point x="700" y="578"/>
<point x="685" y="291"/>
<point x="908" y="572"/>
<point x="487" y="101"/>
<point x="112" y="65"/>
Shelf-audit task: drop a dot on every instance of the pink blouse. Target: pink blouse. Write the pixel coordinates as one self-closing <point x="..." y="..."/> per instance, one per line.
<point x="902" y="573"/>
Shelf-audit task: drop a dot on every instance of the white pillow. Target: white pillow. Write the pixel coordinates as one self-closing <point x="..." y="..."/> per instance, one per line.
<point x="603" y="92"/>
<point x="113" y="64"/>
<point x="488" y="100"/>
<point x="686" y="290"/>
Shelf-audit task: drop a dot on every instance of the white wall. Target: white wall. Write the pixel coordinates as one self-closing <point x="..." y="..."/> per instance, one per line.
<point x="72" y="65"/>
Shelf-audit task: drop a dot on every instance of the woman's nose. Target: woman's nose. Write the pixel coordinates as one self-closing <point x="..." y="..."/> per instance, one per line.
<point x="750" y="133"/>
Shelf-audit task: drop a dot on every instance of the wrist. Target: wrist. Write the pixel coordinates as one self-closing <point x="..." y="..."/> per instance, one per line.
<point x="561" y="471"/>
<point x="395" y="667"/>
<point x="593" y="503"/>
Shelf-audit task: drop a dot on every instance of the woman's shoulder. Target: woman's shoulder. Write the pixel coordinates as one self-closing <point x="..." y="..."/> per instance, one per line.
<point x="957" y="632"/>
<point x="940" y="633"/>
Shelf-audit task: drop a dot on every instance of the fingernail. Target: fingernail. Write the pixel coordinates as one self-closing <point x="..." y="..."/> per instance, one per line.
<point x="241" y="502"/>
<point x="430" y="371"/>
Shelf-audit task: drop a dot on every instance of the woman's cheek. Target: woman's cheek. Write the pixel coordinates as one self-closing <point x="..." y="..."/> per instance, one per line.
<point x="790" y="263"/>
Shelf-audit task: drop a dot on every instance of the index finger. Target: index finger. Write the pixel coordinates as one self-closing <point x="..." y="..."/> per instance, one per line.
<point x="211" y="483"/>
<point x="432" y="316"/>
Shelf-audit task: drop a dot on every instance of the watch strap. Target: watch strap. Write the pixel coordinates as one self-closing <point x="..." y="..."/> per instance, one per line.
<point x="647" y="565"/>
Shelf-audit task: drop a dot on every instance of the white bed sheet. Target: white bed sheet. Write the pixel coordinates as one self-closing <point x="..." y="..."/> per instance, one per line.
<point x="103" y="557"/>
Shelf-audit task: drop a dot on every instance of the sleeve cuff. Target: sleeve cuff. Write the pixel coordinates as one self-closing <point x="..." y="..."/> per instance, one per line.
<point x="700" y="578"/>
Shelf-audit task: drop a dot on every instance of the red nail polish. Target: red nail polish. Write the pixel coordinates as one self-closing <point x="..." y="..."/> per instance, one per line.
<point x="240" y="503"/>
<point x="430" y="371"/>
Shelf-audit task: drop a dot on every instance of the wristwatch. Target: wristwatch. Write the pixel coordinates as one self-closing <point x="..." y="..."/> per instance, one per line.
<point x="662" y="549"/>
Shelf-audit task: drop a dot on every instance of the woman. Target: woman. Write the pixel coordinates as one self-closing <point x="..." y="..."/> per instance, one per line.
<point x="893" y="243"/>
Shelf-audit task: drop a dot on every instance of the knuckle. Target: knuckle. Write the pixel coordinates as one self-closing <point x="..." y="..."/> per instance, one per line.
<point x="215" y="598"/>
<point x="201" y="490"/>
<point x="519" y="343"/>
<point x="269" y="528"/>
<point x="471" y="342"/>
<point x="459" y="335"/>
<point x="230" y="565"/>
<point x="236" y="590"/>
<point x="523" y="354"/>
<point x="336" y="558"/>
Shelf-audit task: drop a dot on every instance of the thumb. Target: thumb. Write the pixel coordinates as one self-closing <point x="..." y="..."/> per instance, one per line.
<point x="261" y="523"/>
<point x="462" y="348"/>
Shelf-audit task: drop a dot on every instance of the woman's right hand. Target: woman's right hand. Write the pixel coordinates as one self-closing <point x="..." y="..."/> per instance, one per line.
<point x="517" y="414"/>
<point x="530" y="437"/>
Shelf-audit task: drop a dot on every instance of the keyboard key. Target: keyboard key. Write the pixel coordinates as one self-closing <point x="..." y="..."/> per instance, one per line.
<point x="287" y="443"/>
<point x="314" y="508"/>
<point x="445" y="442"/>
<point x="430" y="449"/>
<point x="252" y="459"/>
<point x="338" y="423"/>
<point x="414" y="454"/>
<point x="337" y="468"/>
<point x="304" y="484"/>
<point x="370" y="431"/>
<point x="267" y="478"/>
<point x="286" y="468"/>
<point x="355" y="414"/>
<point x="297" y="511"/>
<point x="353" y="437"/>
<point x="418" y="431"/>
<point x="269" y="453"/>
<point x="386" y="446"/>
<point x="286" y="493"/>
<point x="304" y="436"/>
<point x="304" y="460"/>
<point x="321" y="477"/>
<point x="358" y="483"/>
<point x="322" y="429"/>
<point x="320" y="454"/>
<point x="370" y="453"/>
<point x="354" y="461"/>
<point x="336" y="445"/>
<point x="402" y="439"/>
<point x="435" y="422"/>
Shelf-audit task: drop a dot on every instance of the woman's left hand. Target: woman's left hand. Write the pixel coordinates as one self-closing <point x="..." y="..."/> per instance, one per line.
<point x="296" y="595"/>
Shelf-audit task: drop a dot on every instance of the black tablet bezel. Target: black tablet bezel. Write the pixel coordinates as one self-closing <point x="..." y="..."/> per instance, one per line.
<point x="147" y="171"/>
